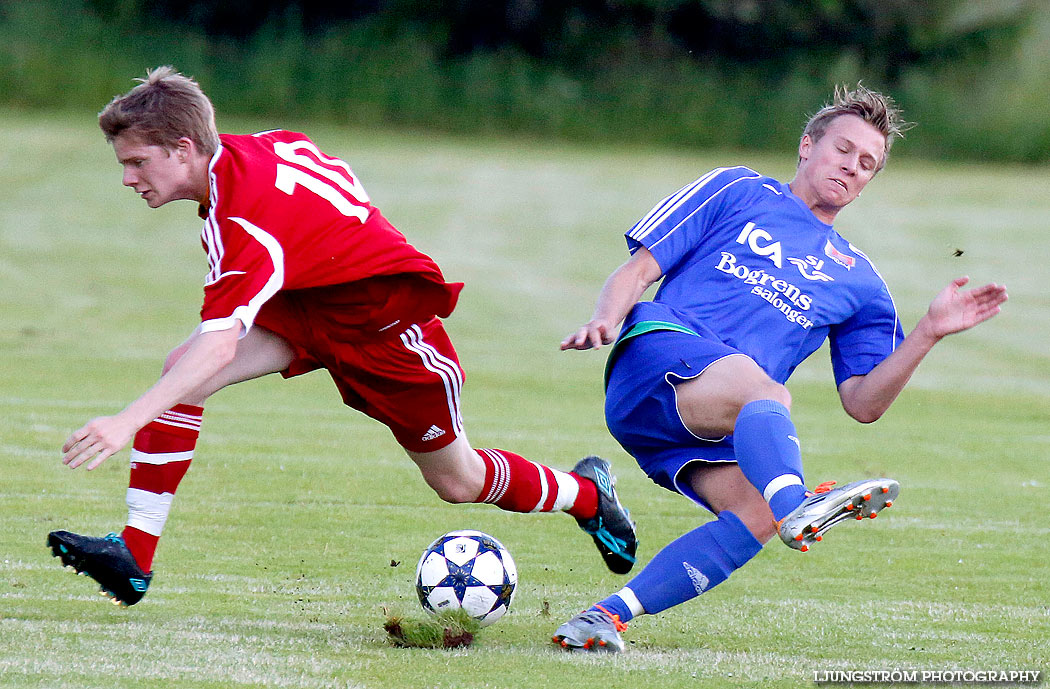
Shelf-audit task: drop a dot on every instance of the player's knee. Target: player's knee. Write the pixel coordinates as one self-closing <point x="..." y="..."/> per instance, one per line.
<point x="782" y="394"/>
<point x="455" y="484"/>
<point x="454" y="490"/>
<point x="752" y="509"/>
<point x="455" y="473"/>
<point x="762" y="530"/>
<point x="773" y="391"/>
<point x="754" y="512"/>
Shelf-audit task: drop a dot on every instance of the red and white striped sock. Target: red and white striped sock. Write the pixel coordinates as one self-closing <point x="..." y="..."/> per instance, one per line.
<point x="160" y="456"/>
<point x="516" y="484"/>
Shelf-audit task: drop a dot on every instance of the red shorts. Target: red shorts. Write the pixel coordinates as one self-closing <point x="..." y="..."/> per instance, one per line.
<point x="388" y="354"/>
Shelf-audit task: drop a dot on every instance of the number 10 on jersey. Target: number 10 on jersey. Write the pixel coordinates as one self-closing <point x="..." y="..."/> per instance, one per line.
<point x="338" y="187"/>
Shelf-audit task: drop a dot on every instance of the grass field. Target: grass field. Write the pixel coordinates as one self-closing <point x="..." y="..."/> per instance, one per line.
<point x="301" y="521"/>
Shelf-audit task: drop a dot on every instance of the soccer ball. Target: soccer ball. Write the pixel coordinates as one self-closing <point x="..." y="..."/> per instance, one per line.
<point x="469" y="570"/>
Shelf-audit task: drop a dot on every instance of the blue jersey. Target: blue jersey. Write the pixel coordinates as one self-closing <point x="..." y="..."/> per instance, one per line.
<point x="746" y="261"/>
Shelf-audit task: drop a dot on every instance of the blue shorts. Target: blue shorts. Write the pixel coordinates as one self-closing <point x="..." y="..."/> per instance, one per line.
<point x="641" y="408"/>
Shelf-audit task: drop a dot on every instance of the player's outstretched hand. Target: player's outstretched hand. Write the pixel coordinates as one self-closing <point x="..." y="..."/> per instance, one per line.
<point x="590" y="336"/>
<point x="955" y="310"/>
<point x="99" y="439"/>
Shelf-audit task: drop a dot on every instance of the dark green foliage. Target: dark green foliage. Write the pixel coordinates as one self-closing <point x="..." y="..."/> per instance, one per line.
<point x="687" y="73"/>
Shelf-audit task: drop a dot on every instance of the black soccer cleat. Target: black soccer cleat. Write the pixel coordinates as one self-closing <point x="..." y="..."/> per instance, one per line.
<point x="611" y="528"/>
<point x="106" y="560"/>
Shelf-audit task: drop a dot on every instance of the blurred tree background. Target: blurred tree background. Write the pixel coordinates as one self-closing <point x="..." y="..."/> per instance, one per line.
<point x="974" y="74"/>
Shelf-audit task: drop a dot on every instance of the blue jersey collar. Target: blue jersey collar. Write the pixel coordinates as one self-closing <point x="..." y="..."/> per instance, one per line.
<point x="785" y="188"/>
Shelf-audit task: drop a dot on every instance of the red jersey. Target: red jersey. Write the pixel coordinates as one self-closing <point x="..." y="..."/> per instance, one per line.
<point x="285" y="216"/>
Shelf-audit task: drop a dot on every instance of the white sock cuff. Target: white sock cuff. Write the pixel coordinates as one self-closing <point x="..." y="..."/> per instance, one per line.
<point x="158" y="458"/>
<point x="148" y="511"/>
<point x="568" y="489"/>
<point x="782" y="481"/>
<point x="631" y="600"/>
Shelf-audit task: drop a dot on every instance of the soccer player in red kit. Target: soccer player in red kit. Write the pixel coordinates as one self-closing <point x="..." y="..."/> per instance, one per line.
<point x="305" y="273"/>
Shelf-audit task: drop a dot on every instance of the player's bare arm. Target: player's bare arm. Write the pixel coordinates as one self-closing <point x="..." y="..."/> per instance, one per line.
<point x="96" y="441"/>
<point x="866" y="398"/>
<point x="622" y="290"/>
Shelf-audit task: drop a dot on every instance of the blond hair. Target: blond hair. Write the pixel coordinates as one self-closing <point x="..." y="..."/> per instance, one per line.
<point x="877" y="109"/>
<point x="162" y="109"/>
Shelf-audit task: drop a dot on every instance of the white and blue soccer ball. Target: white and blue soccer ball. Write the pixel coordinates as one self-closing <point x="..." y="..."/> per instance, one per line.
<point x="469" y="570"/>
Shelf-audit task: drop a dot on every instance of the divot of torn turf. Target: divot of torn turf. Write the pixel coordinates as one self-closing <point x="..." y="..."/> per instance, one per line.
<point x="453" y="629"/>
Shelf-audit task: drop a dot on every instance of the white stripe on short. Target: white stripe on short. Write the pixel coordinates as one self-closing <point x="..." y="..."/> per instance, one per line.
<point x="444" y="367"/>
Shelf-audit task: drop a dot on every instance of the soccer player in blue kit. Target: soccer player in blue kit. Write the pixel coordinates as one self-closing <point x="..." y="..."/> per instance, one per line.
<point x="754" y="280"/>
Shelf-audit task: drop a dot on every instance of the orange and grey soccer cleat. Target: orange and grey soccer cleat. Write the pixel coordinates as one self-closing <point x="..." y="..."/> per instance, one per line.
<point x="828" y="506"/>
<point x="591" y="630"/>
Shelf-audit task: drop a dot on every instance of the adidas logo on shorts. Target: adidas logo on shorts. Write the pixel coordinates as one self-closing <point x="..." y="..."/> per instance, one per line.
<point x="433" y="433"/>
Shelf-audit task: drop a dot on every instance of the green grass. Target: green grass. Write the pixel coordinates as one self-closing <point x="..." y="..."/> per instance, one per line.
<point x="280" y="555"/>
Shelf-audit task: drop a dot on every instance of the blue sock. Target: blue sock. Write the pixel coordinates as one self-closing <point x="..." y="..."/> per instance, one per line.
<point x="686" y="567"/>
<point x="768" y="453"/>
